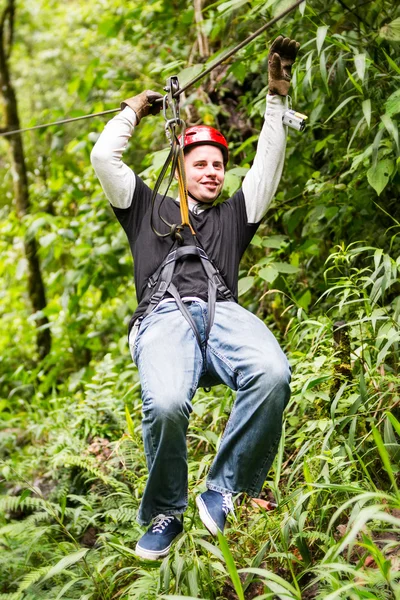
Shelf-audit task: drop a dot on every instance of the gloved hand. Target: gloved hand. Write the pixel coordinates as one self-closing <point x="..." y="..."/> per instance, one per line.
<point x="143" y="104"/>
<point x="281" y="57"/>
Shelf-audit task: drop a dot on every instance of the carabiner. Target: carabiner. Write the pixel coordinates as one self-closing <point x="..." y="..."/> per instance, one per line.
<point x="169" y="100"/>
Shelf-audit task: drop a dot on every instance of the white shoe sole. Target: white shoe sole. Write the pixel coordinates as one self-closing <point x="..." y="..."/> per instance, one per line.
<point x="155" y="554"/>
<point x="205" y="516"/>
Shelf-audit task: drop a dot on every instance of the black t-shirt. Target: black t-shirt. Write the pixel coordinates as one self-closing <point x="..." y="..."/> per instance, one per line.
<point x="222" y="231"/>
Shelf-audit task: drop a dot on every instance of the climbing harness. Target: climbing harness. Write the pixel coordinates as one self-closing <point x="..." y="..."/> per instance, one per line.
<point x="178" y="91"/>
<point x="160" y="284"/>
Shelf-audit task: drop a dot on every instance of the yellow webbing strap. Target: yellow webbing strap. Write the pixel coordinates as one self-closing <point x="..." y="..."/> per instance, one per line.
<point x="183" y="195"/>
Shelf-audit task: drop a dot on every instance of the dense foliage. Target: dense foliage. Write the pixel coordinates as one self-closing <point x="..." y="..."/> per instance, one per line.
<point x="322" y="272"/>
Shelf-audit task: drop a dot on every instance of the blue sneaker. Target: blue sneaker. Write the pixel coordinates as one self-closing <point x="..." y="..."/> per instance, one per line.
<point x="157" y="540"/>
<point x="214" y="509"/>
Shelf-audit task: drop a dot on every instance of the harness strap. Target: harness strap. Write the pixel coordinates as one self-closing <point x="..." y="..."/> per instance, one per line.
<point x="212" y="299"/>
<point x="160" y="283"/>
<point x="174" y="292"/>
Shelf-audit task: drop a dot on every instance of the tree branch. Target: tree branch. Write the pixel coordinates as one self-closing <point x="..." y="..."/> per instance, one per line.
<point x="7" y="18"/>
<point x="11" y="22"/>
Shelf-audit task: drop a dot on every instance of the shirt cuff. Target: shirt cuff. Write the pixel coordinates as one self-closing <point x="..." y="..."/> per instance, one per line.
<point x="130" y="114"/>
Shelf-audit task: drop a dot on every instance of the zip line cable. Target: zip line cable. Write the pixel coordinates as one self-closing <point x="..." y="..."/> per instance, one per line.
<point x="178" y="92"/>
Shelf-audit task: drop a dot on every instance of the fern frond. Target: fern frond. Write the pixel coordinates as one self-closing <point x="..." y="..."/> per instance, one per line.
<point x="86" y="465"/>
<point x="314" y="535"/>
<point x="13" y="503"/>
<point x="122" y="515"/>
<point x="33" y="577"/>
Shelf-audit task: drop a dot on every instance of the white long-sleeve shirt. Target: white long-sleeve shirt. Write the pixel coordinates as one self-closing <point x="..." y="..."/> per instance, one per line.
<point x="259" y="185"/>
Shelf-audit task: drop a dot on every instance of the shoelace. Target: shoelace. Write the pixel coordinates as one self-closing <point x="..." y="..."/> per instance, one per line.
<point x="160" y="523"/>
<point x="227" y="504"/>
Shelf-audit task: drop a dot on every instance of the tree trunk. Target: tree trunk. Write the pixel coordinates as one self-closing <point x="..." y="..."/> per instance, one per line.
<point x="20" y="179"/>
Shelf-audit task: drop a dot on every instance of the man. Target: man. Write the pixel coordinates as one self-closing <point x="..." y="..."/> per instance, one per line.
<point x="182" y="340"/>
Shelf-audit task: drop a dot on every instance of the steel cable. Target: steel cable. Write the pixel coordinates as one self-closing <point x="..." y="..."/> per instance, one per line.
<point x="213" y="66"/>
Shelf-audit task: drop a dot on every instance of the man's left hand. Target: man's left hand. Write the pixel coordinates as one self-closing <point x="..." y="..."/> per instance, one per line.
<point x="281" y="57"/>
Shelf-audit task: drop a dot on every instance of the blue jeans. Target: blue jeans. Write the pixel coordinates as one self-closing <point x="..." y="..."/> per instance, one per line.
<point x="241" y="353"/>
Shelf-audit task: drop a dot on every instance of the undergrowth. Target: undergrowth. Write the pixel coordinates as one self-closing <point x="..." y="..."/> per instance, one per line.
<point x="73" y="470"/>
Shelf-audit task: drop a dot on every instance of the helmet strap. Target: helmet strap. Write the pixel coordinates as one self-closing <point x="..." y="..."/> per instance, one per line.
<point x="203" y="204"/>
<point x="193" y="197"/>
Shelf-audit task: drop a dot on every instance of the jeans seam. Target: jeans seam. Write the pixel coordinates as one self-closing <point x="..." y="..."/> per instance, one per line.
<point x="233" y="408"/>
<point x="226" y="362"/>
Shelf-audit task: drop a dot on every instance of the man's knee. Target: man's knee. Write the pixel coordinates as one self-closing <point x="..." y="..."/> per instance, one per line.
<point x="271" y="375"/>
<point x="168" y="408"/>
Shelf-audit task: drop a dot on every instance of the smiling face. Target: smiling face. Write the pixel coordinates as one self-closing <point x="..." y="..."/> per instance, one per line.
<point x="205" y="172"/>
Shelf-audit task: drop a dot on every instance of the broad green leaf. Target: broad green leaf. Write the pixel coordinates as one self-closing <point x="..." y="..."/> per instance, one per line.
<point x="48" y="239"/>
<point x="394" y="422"/>
<point x="367" y="109"/>
<point x="392" y="104"/>
<point x="230" y="565"/>
<point x="24" y="495"/>
<point x="256" y="241"/>
<point x="302" y="8"/>
<point x="245" y="284"/>
<point x="323" y="70"/>
<point x="283" y="267"/>
<point x="269" y="274"/>
<point x="129" y="422"/>
<point x="321" y="35"/>
<point x="385" y="457"/>
<point x="66" y="562"/>
<point x="239" y="171"/>
<point x="360" y="63"/>
<point x="68" y="585"/>
<point x="304" y="300"/>
<point x="232" y="183"/>
<point x="269" y="576"/>
<point x="230" y="6"/>
<point x="210" y="548"/>
<point x="189" y="73"/>
<point x="239" y="70"/>
<point x="392" y="64"/>
<point x="354" y="82"/>
<point x="391" y="31"/>
<point x="379" y="175"/>
<point x="356" y="128"/>
<point x="274" y="241"/>
<point x="341" y="105"/>
<point x="391" y="128"/>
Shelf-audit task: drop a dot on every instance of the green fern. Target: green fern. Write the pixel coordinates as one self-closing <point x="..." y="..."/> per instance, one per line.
<point x="33" y="577"/>
<point x="85" y="464"/>
<point x="122" y="515"/>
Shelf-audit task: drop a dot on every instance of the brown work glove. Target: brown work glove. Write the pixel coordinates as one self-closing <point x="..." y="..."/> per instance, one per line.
<point x="281" y="57"/>
<point x="143" y="104"/>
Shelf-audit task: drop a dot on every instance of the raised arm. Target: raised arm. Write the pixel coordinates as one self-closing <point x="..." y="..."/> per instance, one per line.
<point x="116" y="178"/>
<point x="260" y="183"/>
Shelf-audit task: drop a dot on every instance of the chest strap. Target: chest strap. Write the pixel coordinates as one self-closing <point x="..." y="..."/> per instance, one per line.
<point x="160" y="283"/>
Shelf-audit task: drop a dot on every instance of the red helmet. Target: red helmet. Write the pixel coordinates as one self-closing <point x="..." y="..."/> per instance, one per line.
<point x="203" y="134"/>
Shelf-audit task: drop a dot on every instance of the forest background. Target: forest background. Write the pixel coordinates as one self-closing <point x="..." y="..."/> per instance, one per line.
<point x="322" y="272"/>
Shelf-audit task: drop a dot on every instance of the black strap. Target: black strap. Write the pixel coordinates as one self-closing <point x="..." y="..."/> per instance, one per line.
<point x="174" y="292"/>
<point x="212" y="300"/>
<point x="161" y="282"/>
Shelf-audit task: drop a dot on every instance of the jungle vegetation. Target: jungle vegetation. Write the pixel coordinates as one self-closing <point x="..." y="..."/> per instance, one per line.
<point x="322" y="272"/>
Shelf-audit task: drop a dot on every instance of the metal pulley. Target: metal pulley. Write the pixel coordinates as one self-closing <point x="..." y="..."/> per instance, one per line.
<point x="171" y="104"/>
